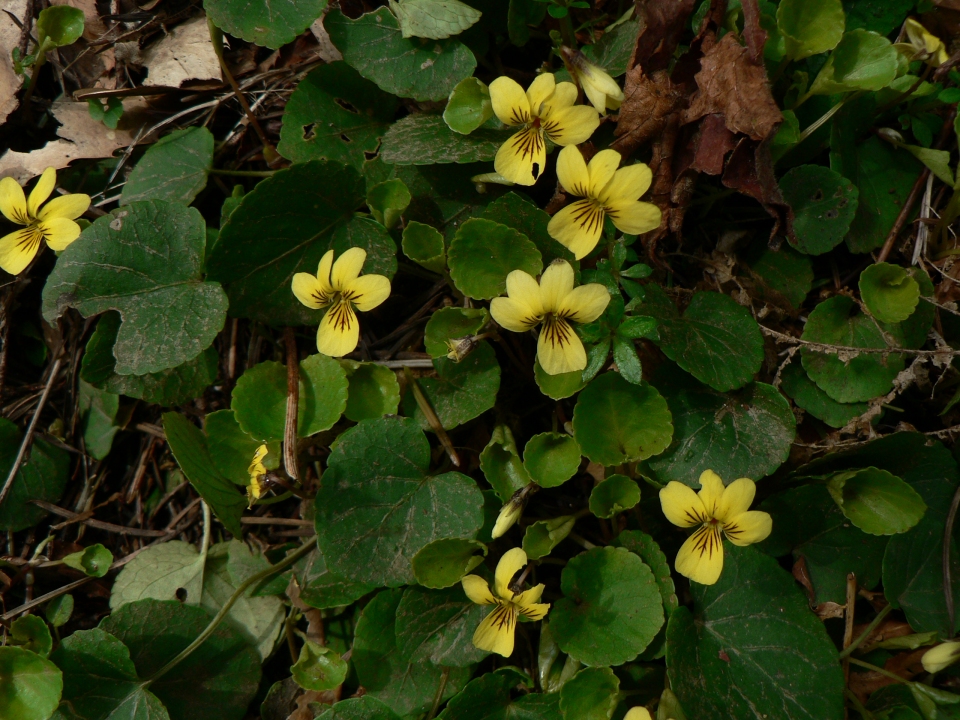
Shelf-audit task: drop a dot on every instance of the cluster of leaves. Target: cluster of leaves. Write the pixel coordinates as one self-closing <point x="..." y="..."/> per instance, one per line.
<point x="401" y="456"/>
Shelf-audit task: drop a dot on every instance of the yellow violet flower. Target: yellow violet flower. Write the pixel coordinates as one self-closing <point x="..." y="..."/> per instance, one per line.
<point x="340" y="287"/>
<point x="943" y="655"/>
<point x="926" y="46"/>
<point x="545" y="110"/>
<point x="555" y="303"/>
<point x="637" y="713"/>
<point x="257" y="472"/>
<point x="601" y="90"/>
<point x="606" y="192"/>
<point x="54" y="222"/>
<point x="495" y="633"/>
<point x="719" y="511"/>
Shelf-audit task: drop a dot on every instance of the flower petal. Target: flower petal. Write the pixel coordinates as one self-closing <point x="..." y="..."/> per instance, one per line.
<point x="748" y="528"/>
<point x="542" y="87"/>
<point x="681" y="505"/>
<point x="572" y="171"/>
<point x="18" y="248"/>
<point x="368" y="291"/>
<point x="41" y="191"/>
<point x="736" y="499"/>
<point x="510" y="103"/>
<point x="555" y="284"/>
<point x="578" y="227"/>
<point x="534" y="611"/>
<point x="309" y="290"/>
<point x="13" y="203"/>
<point x="511" y="562"/>
<point x="601" y="90"/>
<point x="58" y="232"/>
<point x="347" y="268"/>
<point x="634" y="217"/>
<point x="559" y="350"/>
<point x="943" y="655"/>
<point x="570" y="125"/>
<point x="66" y="206"/>
<point x="701" y="556"/>
<point x="477" y="590"/>
<point x="711" y="490"/>
<point x="323" y="272"/>
<point x="585" y="303"/>
<point x="637" y="713"/>
<point x="512" y="315"/>
<point x="602" y="168"/>
<point x="495" y="633"/>
<point x="523" y="157"/>
<point x="627" y="184"/>
<point x="528" y="597"/>
<point x="564" y="95"/>
<point x="339" y="331"/>
<point x="522" y="288"/>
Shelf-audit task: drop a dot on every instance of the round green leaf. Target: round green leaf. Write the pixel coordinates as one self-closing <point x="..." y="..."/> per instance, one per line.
<point x="647" y="549"/>
<point x="889" y="292"/>
<point x="451" y="323"/>
<point x="175" y="168"/>
<point x="325" y="589"/>
<point x="232" y="449"/>
<point x="271" y="25"/>
<point x="387" y="201"/>
<point x="751" y="637"/>
<point x="424" y="245"/>
<point x="518" y="212"/>
<point x="161" y="572"/>
<point x="31" y="633"/>
<point x="876" y="501"/>
<point x="335" y="114"/>
<point x="361" y="708"/>
<point x="260" y="398"/>
<point x="613" y="495"/>
<point x="59" y="26"/>
<point x="863" y="60"/>
<point x="318" y="668"/>
<point x="806" y="394"/>
<point x="373" y="390"/>
<point x="468" y="107"/>
<point x="42" y="476"/>
<point x="612" y="52"/>
<point x="484" y="252"/>
<point x="144" y="260"/>
<point x="543" y="536"/>
<point x="59" y="610"/>
<point x="461" y="391"/>
<point x="824" y="204"/>
<point x="416" y="69"/>
<point x="615" y="421"/>
<point x="437" y="626"/>
<point x="31" y="685"/>
<point x="810" y="27"/>
<point x="836" y="321"/>
<point x="551" y="458"/>
<point x="717" y="341"/>
<point x="557" y="387"/>
<point x="94" y="561"/>
<point x="746" y="433"/>
<point x="433" y="19"/>
<point x="377" y="508"/>
<point x="786" y="272"/>
<point x="591" y="694"/>
<point x="442" y="563"/>
<point x="501" y="464"/>
<point x="489" y="697"/>
<point x="426" y="140"/>
<point x="298" y="208"/>
<point x="611" y="608"/>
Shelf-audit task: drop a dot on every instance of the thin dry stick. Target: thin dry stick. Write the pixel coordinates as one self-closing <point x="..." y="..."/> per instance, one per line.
<point x="834" y="349"/>
<point x="28" y="437"/>
<point x="293" y="402"/>
<point x="99" y="524"/>
<point x="947" y="539"/>
<point x="434" y="421"/>
<point x="848" y="620"/>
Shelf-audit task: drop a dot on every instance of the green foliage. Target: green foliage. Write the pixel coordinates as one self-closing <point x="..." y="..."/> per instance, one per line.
<point x="551" y="458"/>
<point x="451" y="323"/>
<point x="443" y="562"/>
<point x="824" y="204"/>
<point x="807" y="395"/>
<point x="876" y="501"/>
<point x="41" y="476"/>
<point x="810" y="27"/>
<point x="889" y="292"/>
<point x="318" y="668"/>
<point x="469" y="106"/>
<point x="31" y="633"/>
<point x="424" y="245"/>
<point x="461" y="390"/>
<point x="427" y="140"/>
<point x="863" y="60"/>
<point x="31" y="684"/>
<point x="264" y="24"/>
<point x="591" y="694"/>
<point x="174" y="169"/>
<point x="433" y="19"/>
<point x="94" y="561"/>
<point x="484" y="252"/>
<point x="59" y="26"/>
<point x="373" y="391"/>
<point x="613" y="495"/>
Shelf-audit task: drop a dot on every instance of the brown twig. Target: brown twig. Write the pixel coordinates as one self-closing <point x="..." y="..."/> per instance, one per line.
<point x="834" y="349"/>
<point x="293" y="403"/>
<point x="98" y="524"/>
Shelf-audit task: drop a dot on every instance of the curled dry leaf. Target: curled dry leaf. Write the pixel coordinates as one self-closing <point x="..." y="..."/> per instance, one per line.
<point x="9" y="39"/>
<point x="185" y="54"/>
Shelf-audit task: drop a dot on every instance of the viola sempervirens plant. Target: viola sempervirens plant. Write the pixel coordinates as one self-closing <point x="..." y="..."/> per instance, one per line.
<point x="943" y="655"/>
<point x="924" y="45"/>
<point x="606" y="192"/>
<point x="719" y="511"/>
<point x="339" y="287"/>
<point x="601" y="90"/>
<point x="53" y="223"/>
<point x="545" y="111"/>
<point x="555" y="303"/>
<point x="495" y="633"/>
<point x="257" y="471"/>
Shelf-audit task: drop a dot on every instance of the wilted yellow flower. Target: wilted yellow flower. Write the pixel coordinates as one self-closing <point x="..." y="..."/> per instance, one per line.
<point x="943" y="655"/>
<point x="601" y="90"/>
<point x="927" y="46"/>
<point x="606" y="192"/>
<point x="545" y="110"/>
<point x="54" y="222"/>
<point x="719" y="511"/>
<point x="257" y="472"/>
<point x="555" y="303"/>
<point x="340" y="287"/>
<point x="495" y="633"/>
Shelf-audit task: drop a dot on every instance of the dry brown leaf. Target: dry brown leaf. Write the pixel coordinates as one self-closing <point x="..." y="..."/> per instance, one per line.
<point x="750" y="171"/>
<point x="648" y="102"/>
<point x="711" y="145"/>
<point x="9" y="39"/>
<point x="185" y="54"/>
<point x="663" y="22"/>
<point x="80" y="136"/>
<point x="731" y="84"/>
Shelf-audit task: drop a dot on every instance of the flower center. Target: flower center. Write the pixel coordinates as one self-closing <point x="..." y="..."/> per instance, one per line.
<point x="556" y="329"/>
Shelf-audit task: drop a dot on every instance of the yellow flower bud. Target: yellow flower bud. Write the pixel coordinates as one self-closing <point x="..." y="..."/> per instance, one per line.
<point x="601" y="90"/>
<point x="927" y="46"/>
<point x="941" y="656"/>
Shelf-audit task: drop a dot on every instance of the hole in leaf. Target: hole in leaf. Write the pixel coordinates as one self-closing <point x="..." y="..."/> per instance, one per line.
<point x="181" y="594"/>
<point x="345" y="138"/>
<point x="818" y="195"/>
<point x="346" y="106"/>
<point x="309" y="131"/>
<point x="831" y="214"/>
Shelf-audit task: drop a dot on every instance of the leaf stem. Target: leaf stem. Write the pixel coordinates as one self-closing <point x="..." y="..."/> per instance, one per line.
<point x="243" y="173"/>
<point x="874" y="668"/>
<point x="846" y="652"/>
<point x="237" y="594"/>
